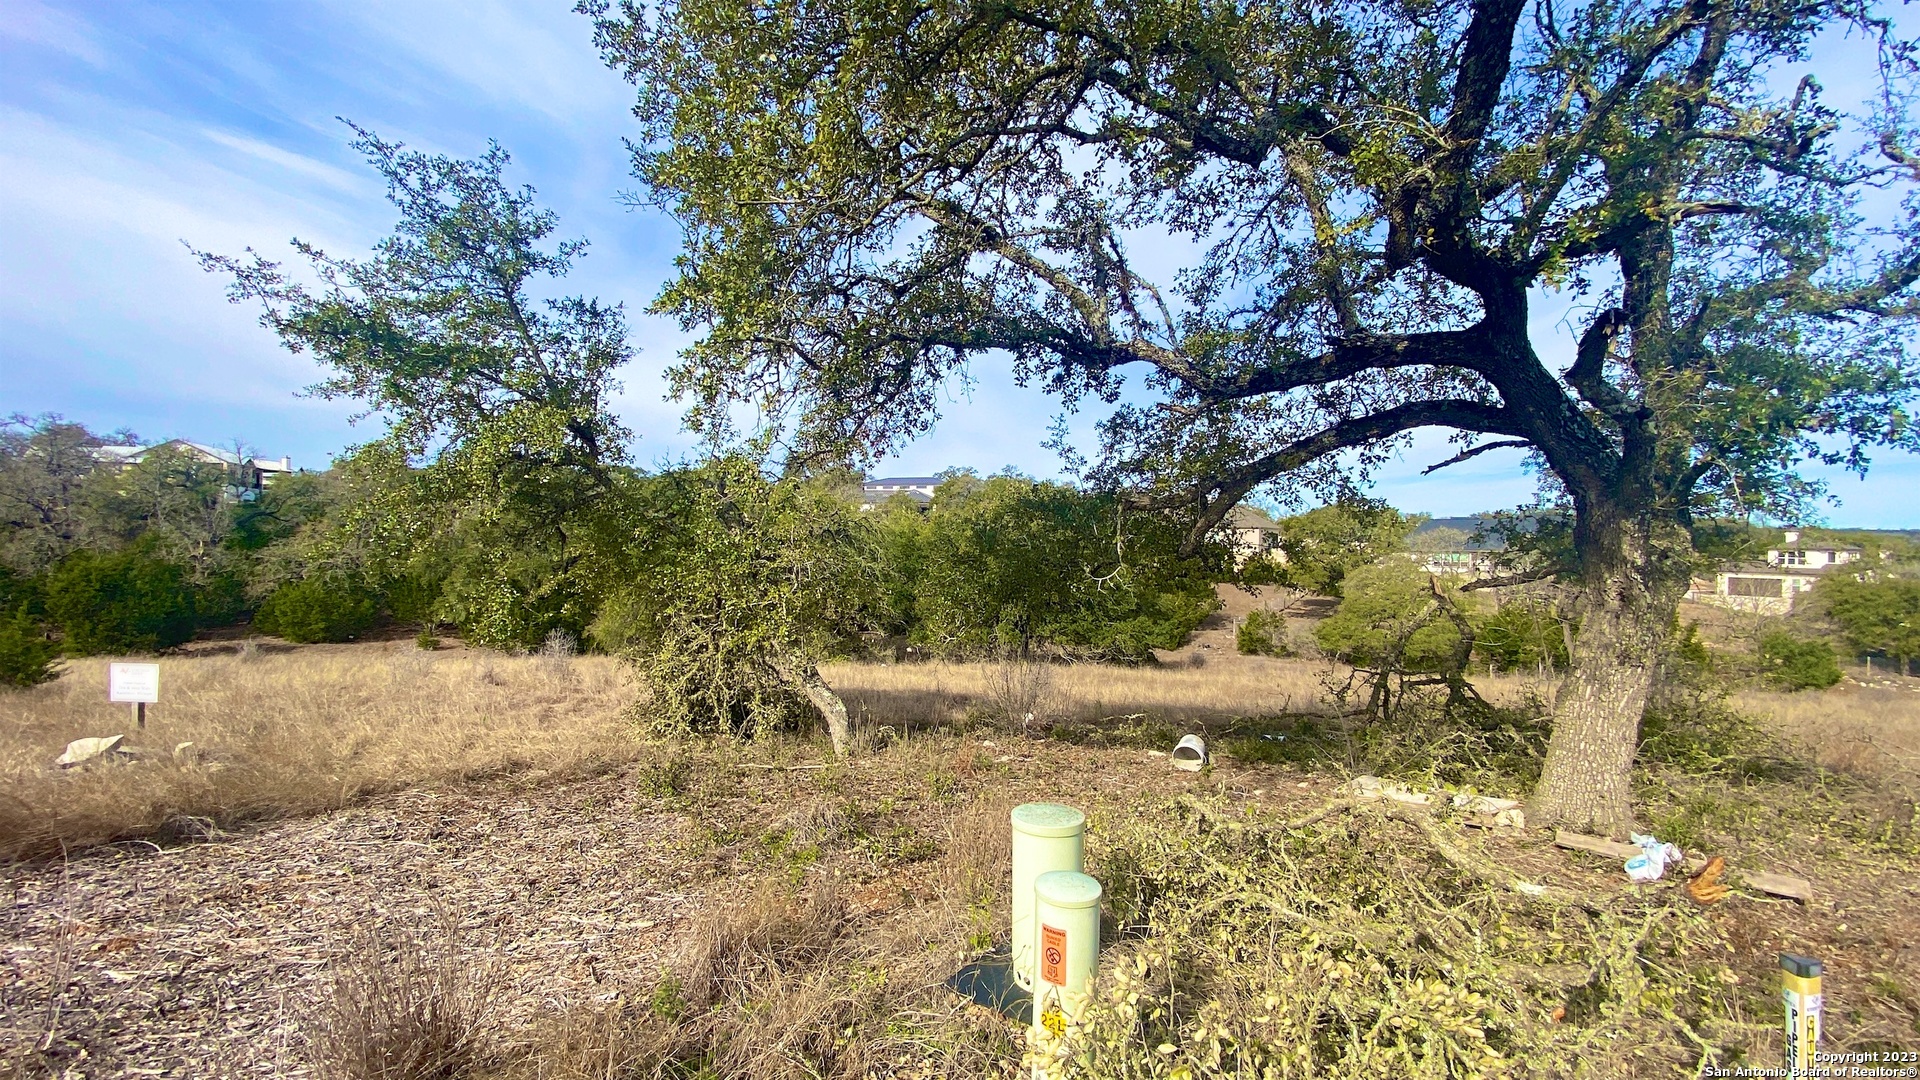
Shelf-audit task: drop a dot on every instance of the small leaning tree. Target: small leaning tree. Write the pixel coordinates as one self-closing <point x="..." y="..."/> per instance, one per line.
<point x="1365" y="207"/>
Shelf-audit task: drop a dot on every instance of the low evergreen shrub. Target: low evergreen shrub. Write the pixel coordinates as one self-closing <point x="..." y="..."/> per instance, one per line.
<point x="1791" y="663"/>
<point x="26" y="655"/>
<point x="119" y="602"/>
<point x="1262" y="633"/>
<point x="318" y="609"/>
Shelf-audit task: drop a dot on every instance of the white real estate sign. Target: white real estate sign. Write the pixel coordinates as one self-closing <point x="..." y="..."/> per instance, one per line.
<point x="133" y="682"/>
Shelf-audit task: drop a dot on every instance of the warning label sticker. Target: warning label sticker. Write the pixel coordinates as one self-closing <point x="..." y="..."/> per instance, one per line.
<point x="1053" y="955"/>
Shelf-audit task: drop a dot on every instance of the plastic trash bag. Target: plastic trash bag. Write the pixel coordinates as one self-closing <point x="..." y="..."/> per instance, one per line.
<point x="1652" y="861"/>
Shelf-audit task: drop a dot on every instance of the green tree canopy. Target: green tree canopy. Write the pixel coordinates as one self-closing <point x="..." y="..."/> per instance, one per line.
<point x="44" y="464"/>
<point x="1327" y="543"/>
<point x="1007" y="564"/>
<point x="1880" y="617"/>
<point x="126" y="601"/>
<point x="180" y="503"/>
<point x="502" y="398"/>
<point x="877" y="194"/>
<point x="746" y="583"/>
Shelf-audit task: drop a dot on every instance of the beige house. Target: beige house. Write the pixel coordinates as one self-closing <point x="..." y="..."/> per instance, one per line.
<point x="1251" y="534"/>
<point x="918" y="488"/>
<point x="1771" y="587"/>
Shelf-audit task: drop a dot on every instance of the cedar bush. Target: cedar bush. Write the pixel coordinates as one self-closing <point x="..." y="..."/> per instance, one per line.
<point x="318" y="609"/>
<point x="119" y="602"/>
<point x="1790" y="663"/>
<point x="1262" y="633"/>
<point x="1521" y="636"/>
<point x="26" y="655"/>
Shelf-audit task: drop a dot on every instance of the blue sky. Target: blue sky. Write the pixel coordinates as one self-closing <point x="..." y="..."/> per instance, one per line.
<point x="129" y="127"/>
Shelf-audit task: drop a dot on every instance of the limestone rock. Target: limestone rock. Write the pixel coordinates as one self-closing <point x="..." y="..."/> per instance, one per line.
<point x="81" y="751"/>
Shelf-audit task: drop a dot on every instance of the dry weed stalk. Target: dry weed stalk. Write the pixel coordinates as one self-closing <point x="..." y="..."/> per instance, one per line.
<point x="405" y="1009"/>
<point x="1020" y="692"/>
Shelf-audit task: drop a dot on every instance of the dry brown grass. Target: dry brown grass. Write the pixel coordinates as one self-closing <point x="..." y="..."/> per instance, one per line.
<point x="295" y="732"/>
<point x="783" y="982"/>
<point x="406" y="1008"/>
<point x="938" y="694"/>
<point x="1869" y="731"/>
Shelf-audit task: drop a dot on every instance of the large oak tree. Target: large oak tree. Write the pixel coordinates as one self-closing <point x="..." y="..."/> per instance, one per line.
<point x="1374" y="196"/>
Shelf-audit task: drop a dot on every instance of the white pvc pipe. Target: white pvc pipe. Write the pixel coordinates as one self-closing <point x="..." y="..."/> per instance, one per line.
<point x="1190" y="754"/>
<point x="1066" y="921"/>
<point x="1046" y="837"/>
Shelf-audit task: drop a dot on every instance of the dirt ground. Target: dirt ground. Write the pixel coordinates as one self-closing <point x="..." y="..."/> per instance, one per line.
<point x="196" y="960"/>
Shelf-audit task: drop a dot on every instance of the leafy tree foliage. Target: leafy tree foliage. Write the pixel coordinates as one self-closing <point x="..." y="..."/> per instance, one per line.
<point x="173" y="499"/>
<point x="1262" y="633"/>
<point x="319" y="609"/>
<point x="1400" y="628"/>
<point x="1005" y="564"/>
<point x="1522" y="635"/>
<point x="1326" y="543"/>
<point x="127" y="601"/>
<point x="44" y="463"/>
<point x="27" y="655"/>
<point x="876" y="196"/>
<point x="502" y="398"/>
<point x="1876" y="617"/>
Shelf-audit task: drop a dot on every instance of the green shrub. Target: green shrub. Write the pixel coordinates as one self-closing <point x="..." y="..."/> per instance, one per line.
<point x="221" y="600"/>
<point x="1880" y="617"/>
<point x="1791" y="663"/>
<point x="1386" y="621"/>
<point x="1262" y="633"/>
<point x="1521" y="637"/>
<point x="119" y="602"/>
<point x="26" y="656"/>
<point x="318" y="609"/>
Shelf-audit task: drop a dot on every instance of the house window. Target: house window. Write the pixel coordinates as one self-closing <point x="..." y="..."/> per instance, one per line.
<point x="1794" y="558"/>
<point x="1754" y="586"/>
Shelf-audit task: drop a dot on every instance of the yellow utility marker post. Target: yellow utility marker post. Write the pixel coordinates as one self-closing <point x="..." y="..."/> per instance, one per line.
<point x="1800" y="987"/>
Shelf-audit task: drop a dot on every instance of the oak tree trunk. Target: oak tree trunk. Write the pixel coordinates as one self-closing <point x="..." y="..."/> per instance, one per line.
<point x="1630" y="588"/>
<point x="832" y="709"/>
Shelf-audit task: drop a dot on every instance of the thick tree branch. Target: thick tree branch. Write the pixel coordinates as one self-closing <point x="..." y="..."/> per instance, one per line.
<point x="1233" y="486"/>
<point x="1588" y="373"/>
<point x="1526" y="577"/>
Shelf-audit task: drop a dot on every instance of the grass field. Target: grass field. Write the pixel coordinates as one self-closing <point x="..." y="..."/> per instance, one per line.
<point x="477" y="857"/>
<point x="294" y="732"/>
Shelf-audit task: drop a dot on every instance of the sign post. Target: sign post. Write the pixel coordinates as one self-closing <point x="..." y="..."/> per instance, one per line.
<point x="135" y="684"/>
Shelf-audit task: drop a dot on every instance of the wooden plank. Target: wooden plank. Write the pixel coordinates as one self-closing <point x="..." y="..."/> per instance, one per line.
<point x="1598" y="845"/>
<point x="1792" y="888"/>
<point x="1783" y="885"/>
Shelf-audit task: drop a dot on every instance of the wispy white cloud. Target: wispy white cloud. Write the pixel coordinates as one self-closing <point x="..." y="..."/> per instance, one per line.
<point x="38" y="24"/>
<point x="331" y="176"/>
<point x="537" y="57"/>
